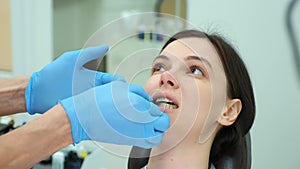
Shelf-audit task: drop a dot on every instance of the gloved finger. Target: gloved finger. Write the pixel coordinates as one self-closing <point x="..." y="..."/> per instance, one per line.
<point x="162" y="123"/>
<point x="155" y="110"/>
<point x="153" y="141"/>
<point x="138" y="109"/>
<point x="103" y="78"/>
<point x="69" y="54"/>
<point x="139" y="90"/>
<point x="88" y="54"/>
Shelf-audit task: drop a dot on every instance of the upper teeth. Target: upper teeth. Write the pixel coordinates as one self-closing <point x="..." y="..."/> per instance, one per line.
<point x="165" y="102"/>
<point x="158" y="100"/>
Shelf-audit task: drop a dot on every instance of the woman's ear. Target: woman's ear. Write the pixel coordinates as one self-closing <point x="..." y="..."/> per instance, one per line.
<point x="231" y="112"/>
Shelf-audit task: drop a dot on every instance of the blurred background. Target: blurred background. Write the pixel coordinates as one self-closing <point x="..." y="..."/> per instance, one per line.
<point x="265" y="33"/>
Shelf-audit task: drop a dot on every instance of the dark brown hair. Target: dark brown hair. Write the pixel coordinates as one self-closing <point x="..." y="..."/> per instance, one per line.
<point x="239" y="86"/>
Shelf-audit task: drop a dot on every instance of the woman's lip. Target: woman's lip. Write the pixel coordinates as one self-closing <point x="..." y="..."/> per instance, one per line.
<point x="168" y="96"/>
<point x="167" y="110"/>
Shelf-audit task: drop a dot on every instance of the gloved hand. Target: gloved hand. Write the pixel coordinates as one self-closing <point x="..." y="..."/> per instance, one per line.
<point x="63" y="78"/>
<point x="117" y="113"/>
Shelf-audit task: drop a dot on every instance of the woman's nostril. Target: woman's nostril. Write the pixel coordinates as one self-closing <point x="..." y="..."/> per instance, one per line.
<point x="161" y="82"/>
<point x="167" y="80"/>
<point x="170" y="83"/>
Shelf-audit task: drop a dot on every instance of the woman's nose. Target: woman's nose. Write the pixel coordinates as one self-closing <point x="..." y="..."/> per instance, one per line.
<point x="168" y="81"/>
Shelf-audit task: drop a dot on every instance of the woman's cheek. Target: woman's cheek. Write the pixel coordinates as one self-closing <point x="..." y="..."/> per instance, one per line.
<point x="151" y="84"/>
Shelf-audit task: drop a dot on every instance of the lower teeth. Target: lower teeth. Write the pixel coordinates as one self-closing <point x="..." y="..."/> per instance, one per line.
<point x="167" y="106"/>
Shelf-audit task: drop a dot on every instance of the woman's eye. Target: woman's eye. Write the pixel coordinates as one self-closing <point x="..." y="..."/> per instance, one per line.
<point x="196" y="70"/>
<point x="158" y="68"/>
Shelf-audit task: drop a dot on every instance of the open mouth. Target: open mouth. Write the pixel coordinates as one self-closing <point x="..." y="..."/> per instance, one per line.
<point x="165" y="103"/>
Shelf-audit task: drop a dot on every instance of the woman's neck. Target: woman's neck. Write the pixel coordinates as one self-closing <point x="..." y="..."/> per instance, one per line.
<point x="184" y="155"/>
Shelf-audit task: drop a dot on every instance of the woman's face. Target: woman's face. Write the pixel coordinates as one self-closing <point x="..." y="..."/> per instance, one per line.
<point x="188" y="83"/>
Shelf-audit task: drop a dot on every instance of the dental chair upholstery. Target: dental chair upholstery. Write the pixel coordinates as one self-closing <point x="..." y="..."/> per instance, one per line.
<point x="227" y="162"/>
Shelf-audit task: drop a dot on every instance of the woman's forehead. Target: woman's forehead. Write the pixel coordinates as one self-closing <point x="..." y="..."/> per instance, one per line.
<point x="193" y="46"/>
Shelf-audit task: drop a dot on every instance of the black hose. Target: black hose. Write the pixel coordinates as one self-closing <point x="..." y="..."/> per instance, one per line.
<point x="138" y="158"/>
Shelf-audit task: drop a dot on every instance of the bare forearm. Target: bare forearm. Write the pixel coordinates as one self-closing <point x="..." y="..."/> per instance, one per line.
<point x="29" y="144"/>
<point x="12" y="95"/>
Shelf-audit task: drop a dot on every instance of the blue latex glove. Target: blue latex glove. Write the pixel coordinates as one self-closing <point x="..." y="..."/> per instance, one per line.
<point x="63" y="78"/>
<point x="117" y="113"/>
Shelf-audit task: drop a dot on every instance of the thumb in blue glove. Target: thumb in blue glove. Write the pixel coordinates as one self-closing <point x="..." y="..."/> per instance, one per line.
<point x="116" y="113"/>
<point x="64" y="77"/>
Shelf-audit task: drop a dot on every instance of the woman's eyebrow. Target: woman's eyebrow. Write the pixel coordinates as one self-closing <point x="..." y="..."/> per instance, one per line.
<point x="200" y="59"/>
<point x="161" y="57"/>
